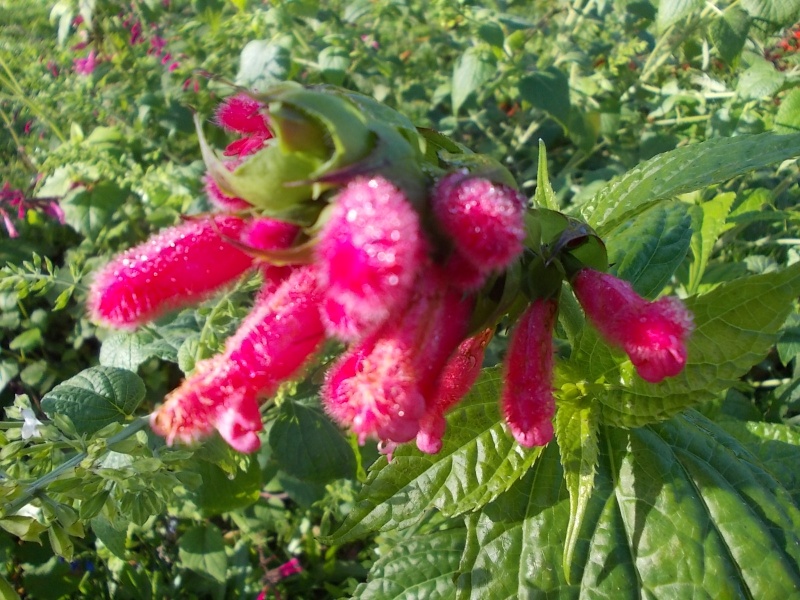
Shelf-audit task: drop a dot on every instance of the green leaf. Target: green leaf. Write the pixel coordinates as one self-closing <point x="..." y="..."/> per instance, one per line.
<point x="202" y="550"/>
<point x="778" y="13"/>
<point x="479" y="460"/>
<point x="111" y="537"/>
<point x="761" y="80"/>
<point x="7" y="592"/>
<point x="544" y="196"/>
<point x="27" y="340"/>
<point x="96" y="397"/>
<point x="576" y="427"/>
<point x="788" y="118"/>
<point x="306" y="445"/>
<point x="709" y="222"/>
<point x="647" y="250"/>
<point x="90" y="209"/>
<point x="222" y="492"/>
<point x="776" y="446"/>
<point x="736" y="324"/>
<point x="670" y="11"/>
<point x="728" y="32"/>
<point x="423" y="565"/>
<point x="59" y="541"/>
<point x="473" y="69"/>
<point x="684" y="170"/>
<point x="548" y="90"/>
<point x="128" y="350"/>
<point x="263" y="63"/>
<point x="679" y="511"/>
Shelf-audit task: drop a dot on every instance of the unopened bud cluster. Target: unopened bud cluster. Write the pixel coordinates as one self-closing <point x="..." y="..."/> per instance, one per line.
<point x="375" y="239"/>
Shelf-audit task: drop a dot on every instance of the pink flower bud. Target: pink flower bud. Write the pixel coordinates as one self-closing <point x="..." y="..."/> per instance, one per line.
<point x="527" y="401"/>
<point x="484" y="220"/>
<point x="271" y="345"/>
<point x="653" y="334"/>
<point x="177" y="267"/>
<point x="455" y="381"/>
<point x="370" y="252"/>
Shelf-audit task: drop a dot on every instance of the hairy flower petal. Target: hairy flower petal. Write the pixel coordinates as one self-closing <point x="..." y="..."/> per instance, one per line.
<point x="177" y="267"/>
<point x="653" y="334"/>
<point x="370" y="252"/>
<point x="527" y="401"/>
<point x="242" y="114"/>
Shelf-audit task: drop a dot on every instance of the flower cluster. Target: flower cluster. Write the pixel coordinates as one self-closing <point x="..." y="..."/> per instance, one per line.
<point x="377" y="243"/>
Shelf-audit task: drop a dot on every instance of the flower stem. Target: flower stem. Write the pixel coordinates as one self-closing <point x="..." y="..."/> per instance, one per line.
<point x="37" y="486"/>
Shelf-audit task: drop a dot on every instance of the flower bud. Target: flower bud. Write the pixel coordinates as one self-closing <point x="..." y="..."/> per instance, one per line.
<point x="369" y="252"/>
<point x="653" y="334"/>
<point x="177" y="267"/>
<point x="484" y="220"/>
<point x="527" y="401"/>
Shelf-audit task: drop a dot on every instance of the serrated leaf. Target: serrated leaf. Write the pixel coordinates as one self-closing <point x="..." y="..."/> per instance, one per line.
<point x="474" y="68"/>
<point x="778" y="13"/>
<point x="761" y="80"/>
<point x="262" y="63"/>
<point x="202" y="550"/>
<point x="735" y="326"/>
<point x="425" y="564"/>
<point x="478" y="461"/>
<point x="96" y="397"/>
<point x="127" y="350"/>
<point x="576" y="427"/>
<point x="676" y="513"/>
<point x="728" y="32"/>
<point x="306" y="445"/>
<point x="788" y="118"/>
<point x="89" y="210"/>
<point x="548" y="90"/>
<point x="709" y="222"/>
<point x="670" y="11"/>
<point x="647" y="250"/>
<point x="684" y="170"/>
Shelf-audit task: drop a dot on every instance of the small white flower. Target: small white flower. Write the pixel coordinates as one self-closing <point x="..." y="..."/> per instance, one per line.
<point x="30" y="428"/>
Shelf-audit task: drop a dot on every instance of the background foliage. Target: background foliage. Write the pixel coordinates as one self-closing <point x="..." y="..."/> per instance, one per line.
<point x="705" y="462"/>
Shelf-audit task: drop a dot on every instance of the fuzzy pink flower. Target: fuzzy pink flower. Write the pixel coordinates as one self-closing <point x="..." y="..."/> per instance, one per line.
<point x="177" y="267"/>
<point x="291" y="567"/>
<point x="454" y="382"/>
<point x="527" y="401"/>
<point x="653" y="334"/>
<point x="220" y="198"/>
<point x="484" y="220"/>
<point x="369" y="252"/>
<point x="85" y="66"/>
<point x="270" y="346"/>
<point x="242" y="114"/>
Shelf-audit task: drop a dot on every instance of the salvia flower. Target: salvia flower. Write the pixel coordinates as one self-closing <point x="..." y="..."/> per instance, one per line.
<point x="369" y="254"/>
<point x="653" y="334"/>
<point x="484" y="220"/>
<point x="241" y="114"/>
<point x="528" y="402"/>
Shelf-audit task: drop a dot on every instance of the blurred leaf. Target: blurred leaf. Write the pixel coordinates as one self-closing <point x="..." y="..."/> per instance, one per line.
<point x="128" y="350"/>
<point x="90" y="209"/>
<point x="222" y="492"/>
<point x="425" y="564"/>
<point x="478" y="461"/>
<point x="684" y="170"/>
<point x="647" y="250"/>
<point x="112" y="538"/>
<point x="728" y="32"/>
<point x="788" y="118"/>
<point x="670" y="11"/>
<point x="202" y="550"/>
<point x="778" y="13"/>
<point x="262" y="64"/>
<point x="96" y="397"/>
<point x="761" y="80"/>
<point x="548" y="90"/>
<point x="474" y="68"/>
<point x="308" y="446"/>
<point x="27" y="340"/>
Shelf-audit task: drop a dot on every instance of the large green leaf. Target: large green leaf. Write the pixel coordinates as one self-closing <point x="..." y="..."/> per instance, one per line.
<point x="472" y="70"/>
<point x="95" y="397"/>
<point x="684" y="170"/>
<point x="735" y="326"/>
<point x="479" y="460"/>
<point x="647" y="250"/>
<point x="709" y="222"/>
<point x="202" y="550"/>
<point x="88" y="210"/>
<point x="306" y="445"/>
<point x="728" y="31"/>
<point x="548" y="90"/>
<point x="223" y="492"/>
<point x="779" y="13"/>
<point x="130" y="350"/>
<point x="421" y="567"/>
<point x="679" y="511"/>
<point x="670" y="11"/>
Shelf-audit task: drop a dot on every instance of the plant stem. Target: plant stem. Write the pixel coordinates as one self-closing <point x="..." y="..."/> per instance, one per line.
<point x="37" y="486"/>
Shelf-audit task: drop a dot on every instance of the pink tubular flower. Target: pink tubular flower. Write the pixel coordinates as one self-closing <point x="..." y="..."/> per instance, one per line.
<point x="270" y="346"/>
<point x="369" y="252"/>
<point x="653" y="334"/>
<point x="242" y="114"/>
<point x="85" y="66"/>
<point x="181" y="265"/>
<point x="454" y="382"/>
<point x="485" y="220"/>
<point x="527" y="401"/>
<point x="290" y="568"/>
